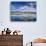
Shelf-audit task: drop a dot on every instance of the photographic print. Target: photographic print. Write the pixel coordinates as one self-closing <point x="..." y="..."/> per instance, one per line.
<point x="23" y="11"/>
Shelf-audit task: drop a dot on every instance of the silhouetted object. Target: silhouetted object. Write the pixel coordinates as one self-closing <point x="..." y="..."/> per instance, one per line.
<point x="3" y="32"/>
<point x="15" y="33"/>
<point x="8" y="31"/>
<point x="31" y="43"/>
<point x="4" y="29"/>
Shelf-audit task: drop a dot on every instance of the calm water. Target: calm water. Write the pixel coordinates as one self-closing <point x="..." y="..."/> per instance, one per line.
<point x="23" y="18"/>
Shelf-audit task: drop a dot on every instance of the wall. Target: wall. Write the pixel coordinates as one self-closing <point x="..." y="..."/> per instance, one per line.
<point x="30" y="30"/>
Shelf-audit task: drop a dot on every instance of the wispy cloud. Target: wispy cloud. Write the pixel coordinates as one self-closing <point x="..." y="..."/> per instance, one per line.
<point x="24" y="8"/>
<point x="12" y="8"/>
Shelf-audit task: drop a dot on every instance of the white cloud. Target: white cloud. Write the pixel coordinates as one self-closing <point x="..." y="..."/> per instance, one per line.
<point x="26" y="8"/>
<point x="13" y="8"/>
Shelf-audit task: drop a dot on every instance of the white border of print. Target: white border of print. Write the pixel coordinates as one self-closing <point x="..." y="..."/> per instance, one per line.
<point x="23" y="0"/>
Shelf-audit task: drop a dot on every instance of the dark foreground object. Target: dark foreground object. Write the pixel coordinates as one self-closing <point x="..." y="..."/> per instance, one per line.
<point x="11" y="40"/>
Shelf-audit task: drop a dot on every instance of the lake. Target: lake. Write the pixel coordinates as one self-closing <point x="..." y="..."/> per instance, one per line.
<point x="27" y="17"/>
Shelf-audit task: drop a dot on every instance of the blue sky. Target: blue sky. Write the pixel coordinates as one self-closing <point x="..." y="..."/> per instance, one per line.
<point x="17" y="5"/>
